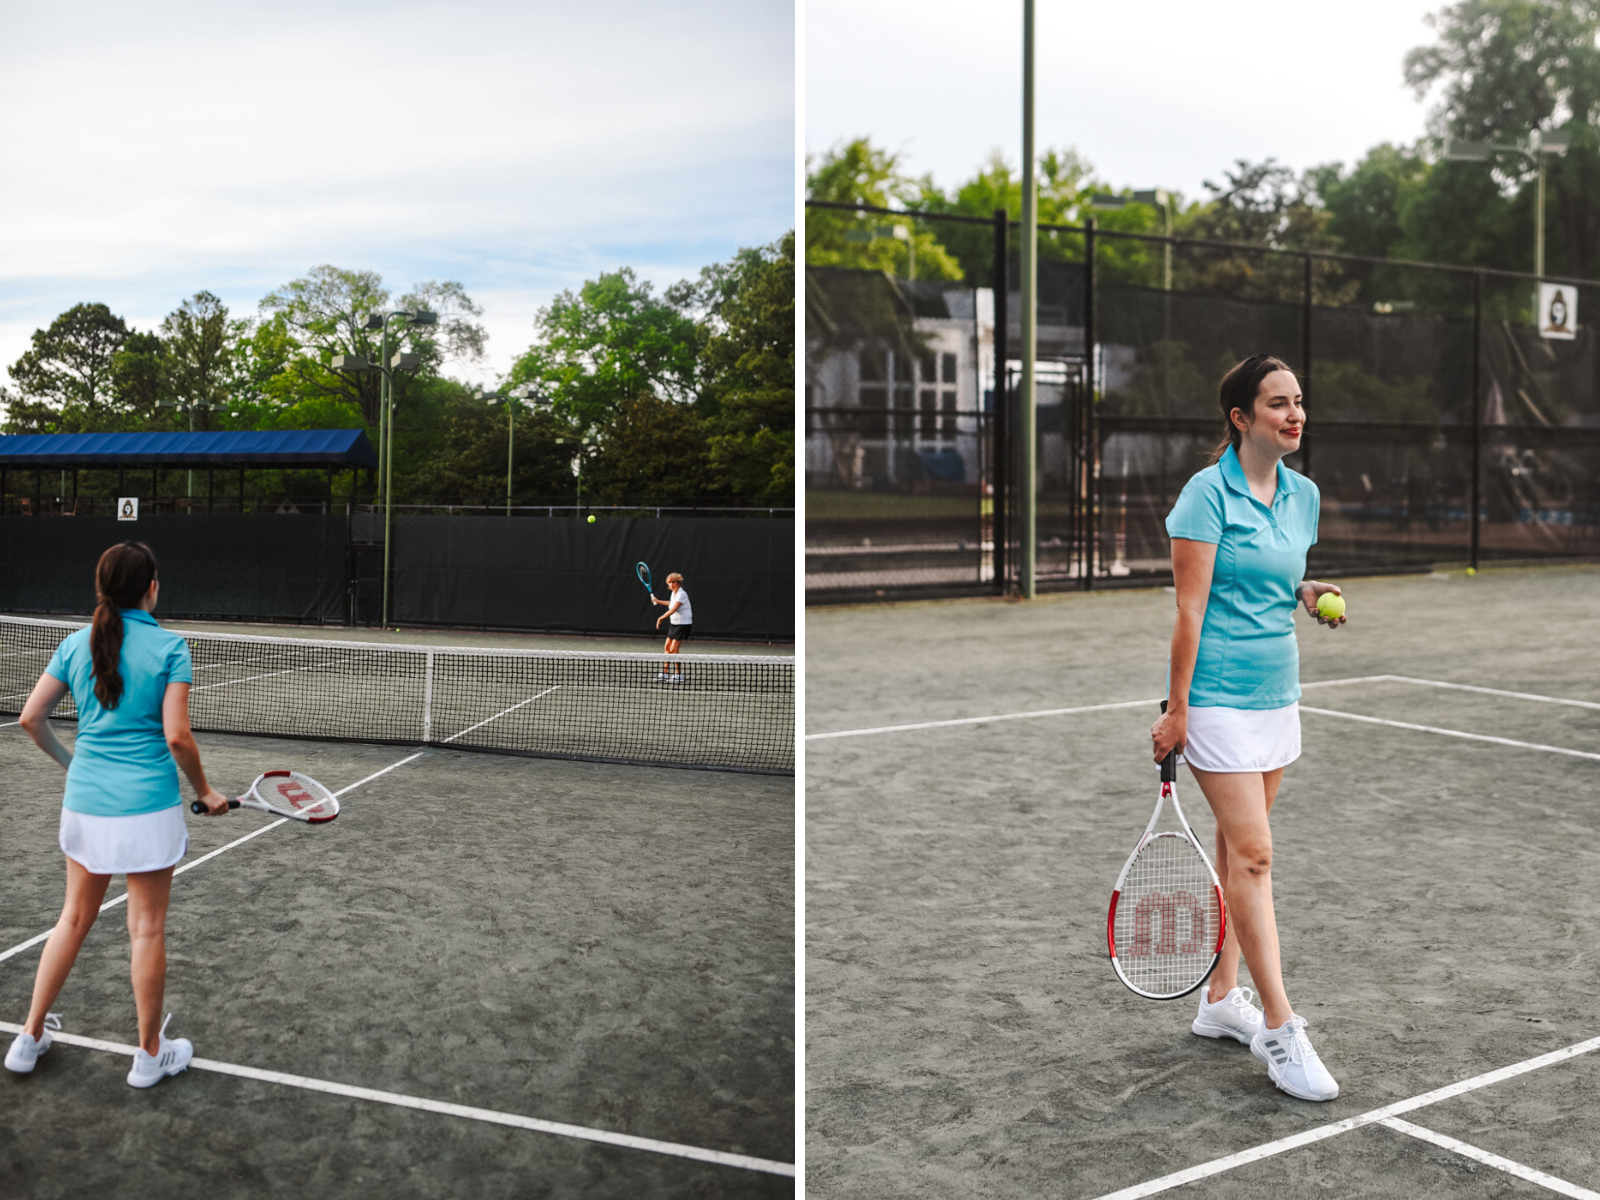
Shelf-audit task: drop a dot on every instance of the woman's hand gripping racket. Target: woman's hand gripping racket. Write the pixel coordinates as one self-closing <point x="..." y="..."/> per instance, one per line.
<point x="287" y="794"/>
<point x="1167" y="918"/>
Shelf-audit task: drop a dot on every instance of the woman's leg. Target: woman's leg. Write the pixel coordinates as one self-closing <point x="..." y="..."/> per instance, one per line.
<point x="84" y="894"/>
<point x="148" y="892"/>
<point x="1240" y="803"/>
<point x="1226" y="977"/>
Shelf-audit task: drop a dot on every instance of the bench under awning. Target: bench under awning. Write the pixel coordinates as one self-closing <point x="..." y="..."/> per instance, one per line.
<point x="338" y="448"/>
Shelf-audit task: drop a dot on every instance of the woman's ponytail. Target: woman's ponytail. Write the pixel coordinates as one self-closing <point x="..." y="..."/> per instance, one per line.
<point x="121" y="580"/>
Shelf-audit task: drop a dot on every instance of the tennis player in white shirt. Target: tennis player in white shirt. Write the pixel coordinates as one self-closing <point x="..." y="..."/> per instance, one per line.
<point x="680" y="625"/>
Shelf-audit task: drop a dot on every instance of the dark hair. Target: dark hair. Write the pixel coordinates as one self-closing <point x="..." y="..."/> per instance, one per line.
<point x="1240" y="387"/>
<point x="121" y="580"/>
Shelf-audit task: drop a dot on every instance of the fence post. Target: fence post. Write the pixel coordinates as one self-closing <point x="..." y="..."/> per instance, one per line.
<point x="1305" y="366"/>
<point x="1477" y="411"/>
<point x="1000" y="426"/>
<point x="1086" y="490"/>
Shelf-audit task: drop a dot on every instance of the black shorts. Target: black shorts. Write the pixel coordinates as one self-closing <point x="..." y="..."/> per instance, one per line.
<point x="678" y="633"/>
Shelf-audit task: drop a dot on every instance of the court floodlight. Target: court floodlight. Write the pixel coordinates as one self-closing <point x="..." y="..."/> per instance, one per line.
<point x="350" y="364"/>
<point x="423" y="317"/>
<point x="406" y="360"/>
<point x="1462" y="150"/>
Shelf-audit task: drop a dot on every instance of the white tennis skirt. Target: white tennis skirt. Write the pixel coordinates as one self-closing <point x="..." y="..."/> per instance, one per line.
<point x="1243" y="739"/>
<point x="125" y="845"/>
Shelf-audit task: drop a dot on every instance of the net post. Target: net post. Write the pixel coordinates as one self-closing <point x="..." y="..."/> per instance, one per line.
<point x="427" y="701"/>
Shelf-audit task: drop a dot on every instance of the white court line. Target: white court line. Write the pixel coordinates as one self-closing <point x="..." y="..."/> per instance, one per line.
<point x="1491" y="1160"/>
<point x="1455" y="733"/>
<point x="444" y="1107"/>
<point x="1016" y="716"/>
<point x="498" y="715"/>
<point x="189" y="866"/>
<point x="1322" y="1132"/>
<point x="1467" y="687"/>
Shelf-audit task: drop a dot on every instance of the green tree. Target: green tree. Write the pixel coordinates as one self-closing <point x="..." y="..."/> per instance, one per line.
<point x="860" y="173"/>
<point x="199" y="344"/>
<point x="139" y="380"/>
<point x="66" y="376"/>
<point x="748" y="394"/>
<point x="1263" y="204"/>
<point x="309" y="320"/>
<point x="650" y="448"/>
<point x="1505" y="67"/>
<point x="611" y="341"/>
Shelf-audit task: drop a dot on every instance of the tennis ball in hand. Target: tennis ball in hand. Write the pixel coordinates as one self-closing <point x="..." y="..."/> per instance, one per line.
<point x="591" y="518"/>
<point x="1330" y="607"/>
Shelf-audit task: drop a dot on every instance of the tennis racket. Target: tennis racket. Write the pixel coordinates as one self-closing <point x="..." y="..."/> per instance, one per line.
<point x="642" y="570"/>
<point x="1167" y="919"/>
<point x="287" y="794"/>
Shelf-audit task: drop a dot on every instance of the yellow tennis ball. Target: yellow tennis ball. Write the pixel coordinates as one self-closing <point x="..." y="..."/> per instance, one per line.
<point x="591" y="518"/>
<point x="1330" y="607"/>
<point x="1472" y="570"/>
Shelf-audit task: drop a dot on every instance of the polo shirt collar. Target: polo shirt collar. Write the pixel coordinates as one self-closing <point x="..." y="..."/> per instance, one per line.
<point x="1233" y="476"/>
<point x="139" y="614"/>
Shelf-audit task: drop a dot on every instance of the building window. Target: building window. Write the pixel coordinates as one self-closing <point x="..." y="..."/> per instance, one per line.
<point x="948" y="423"/>
<point x="930" y="413"/>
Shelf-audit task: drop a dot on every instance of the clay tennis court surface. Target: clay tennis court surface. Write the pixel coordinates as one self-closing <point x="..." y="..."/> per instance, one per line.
<point x="494" y="976"/>
<point x="1436" y="873"/>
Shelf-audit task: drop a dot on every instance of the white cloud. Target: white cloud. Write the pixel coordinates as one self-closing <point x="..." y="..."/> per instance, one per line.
<point x="1167" y="93"/>
<point x="153" y="150"/>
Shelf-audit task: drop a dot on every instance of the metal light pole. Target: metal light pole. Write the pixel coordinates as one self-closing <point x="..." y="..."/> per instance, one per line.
<point x="386" y="366"/>
<point x="1539" y="145"/>
<point x="181" y="406"/>
<point x="1027" y="499"/>
<point x="526" y="392"/>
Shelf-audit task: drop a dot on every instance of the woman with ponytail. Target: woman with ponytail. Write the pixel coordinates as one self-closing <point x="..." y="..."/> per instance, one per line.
<point x="122" y="813"/>
<point x="1240" y="533"/>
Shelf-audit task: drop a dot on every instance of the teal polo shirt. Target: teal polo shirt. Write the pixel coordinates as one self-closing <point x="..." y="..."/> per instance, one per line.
<point x="1248" y="655"/>
<point x="121" y="766"/>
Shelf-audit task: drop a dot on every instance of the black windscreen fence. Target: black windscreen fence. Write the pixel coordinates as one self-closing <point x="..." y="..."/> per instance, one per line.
<point x="1449" y="422"/>
<point x="526" y="573"/>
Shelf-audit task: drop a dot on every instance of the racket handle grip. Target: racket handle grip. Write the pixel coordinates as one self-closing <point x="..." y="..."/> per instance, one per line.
<point x="1169" y="764"/>
<point x="197" y="807"/>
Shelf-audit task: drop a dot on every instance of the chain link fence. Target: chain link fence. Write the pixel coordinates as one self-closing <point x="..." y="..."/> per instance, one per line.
<point x="1443" y="428"/>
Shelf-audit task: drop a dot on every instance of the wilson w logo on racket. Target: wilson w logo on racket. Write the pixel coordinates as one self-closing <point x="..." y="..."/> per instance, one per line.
<point x="1167" y="919"/>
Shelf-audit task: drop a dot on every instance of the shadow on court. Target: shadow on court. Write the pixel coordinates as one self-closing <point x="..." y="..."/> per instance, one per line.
<point x="609" y="947"/>
<point x="1436" y="900"/>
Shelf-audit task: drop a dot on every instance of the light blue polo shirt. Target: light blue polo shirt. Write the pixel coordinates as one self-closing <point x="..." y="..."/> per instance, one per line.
<point x="1248" y="655"/>
<point x="121" y="766"/>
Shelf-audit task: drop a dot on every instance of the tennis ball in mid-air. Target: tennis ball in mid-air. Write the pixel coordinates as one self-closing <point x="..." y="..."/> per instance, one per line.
<point x="591" y="518"/>
<point x="1472" y="570"/>
<point x="1330" y="607"/>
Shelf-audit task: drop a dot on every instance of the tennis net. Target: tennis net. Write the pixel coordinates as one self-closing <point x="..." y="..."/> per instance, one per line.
<point x="723" y="712"/>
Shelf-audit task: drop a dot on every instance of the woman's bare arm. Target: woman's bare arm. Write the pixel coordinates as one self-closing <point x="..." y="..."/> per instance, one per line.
<point x="35" y="720"/>
<point x="180" y="740"/>
<point x="1192" y="566"/>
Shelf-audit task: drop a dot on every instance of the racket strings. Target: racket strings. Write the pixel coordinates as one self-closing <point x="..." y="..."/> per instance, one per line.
<point x="1167" y="918"/>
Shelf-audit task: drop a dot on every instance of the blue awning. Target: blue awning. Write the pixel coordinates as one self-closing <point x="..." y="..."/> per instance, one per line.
<point x="274" y="448"/>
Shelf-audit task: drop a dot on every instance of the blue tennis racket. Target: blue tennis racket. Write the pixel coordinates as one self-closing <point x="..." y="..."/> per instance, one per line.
<point x="643" y="572"/>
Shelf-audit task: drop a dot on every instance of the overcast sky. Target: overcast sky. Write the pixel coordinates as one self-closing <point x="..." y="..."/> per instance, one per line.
<point x="1164" y="93"/>
<point x="150" y="150"/>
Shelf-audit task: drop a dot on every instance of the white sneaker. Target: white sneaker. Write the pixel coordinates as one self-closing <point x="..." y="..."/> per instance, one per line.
<point x="675" y="679"/>
<point x="1233" y="1016"/>
<point x="149" y="1070"/>
<point x="25" y="1050"/>
<point x="663" y="677"/>
<point x="1291" y="1062"/>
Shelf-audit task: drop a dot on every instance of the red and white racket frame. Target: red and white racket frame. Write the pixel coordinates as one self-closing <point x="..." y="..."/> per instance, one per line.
<point x="253" y="799"/>
<point x="1169" y="791"/>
